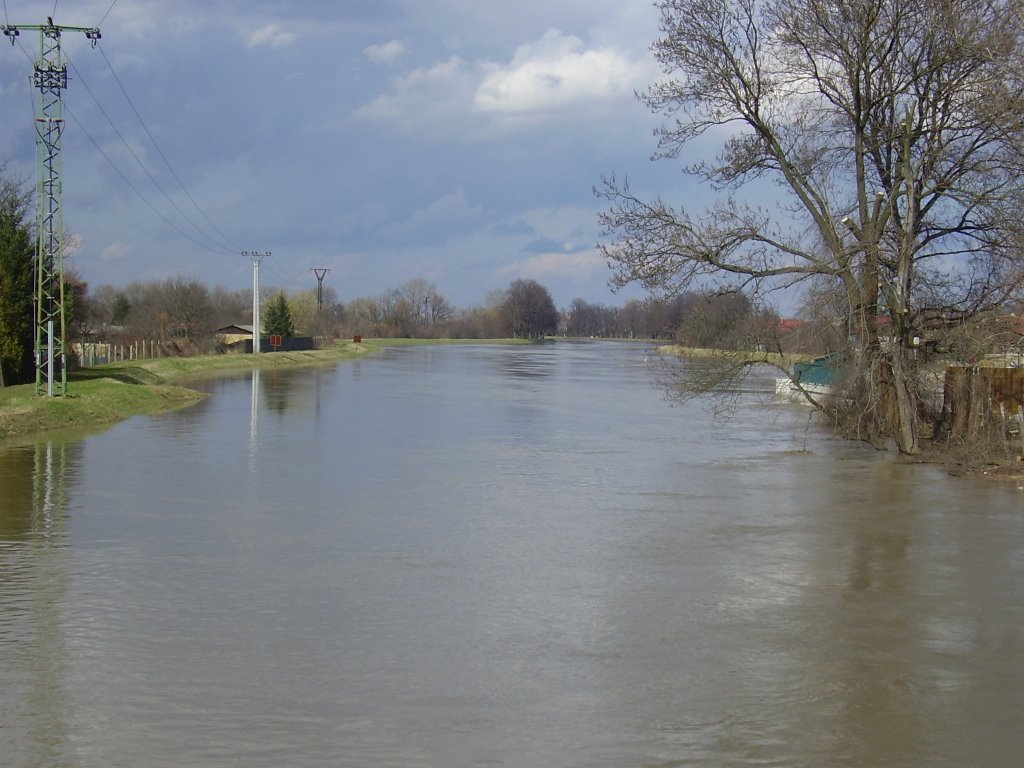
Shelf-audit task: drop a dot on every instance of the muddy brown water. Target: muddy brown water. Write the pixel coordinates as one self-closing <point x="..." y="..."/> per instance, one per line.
<point x="490" y="556"/>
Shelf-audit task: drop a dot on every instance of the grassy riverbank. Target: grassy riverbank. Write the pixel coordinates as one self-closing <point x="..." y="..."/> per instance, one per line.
<point x="106" y="394"/>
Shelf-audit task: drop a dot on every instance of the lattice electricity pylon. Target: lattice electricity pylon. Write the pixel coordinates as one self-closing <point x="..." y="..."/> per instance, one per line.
<point x="50" y="76"/>
<point x="320" y="272"/>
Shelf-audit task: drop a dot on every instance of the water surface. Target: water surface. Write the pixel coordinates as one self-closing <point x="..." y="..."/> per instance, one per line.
<point x="500" y="556"/>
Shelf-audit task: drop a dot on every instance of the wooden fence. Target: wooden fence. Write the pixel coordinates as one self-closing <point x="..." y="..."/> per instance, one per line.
<point x="97" y="353"/>
<point x="982" y="402"/>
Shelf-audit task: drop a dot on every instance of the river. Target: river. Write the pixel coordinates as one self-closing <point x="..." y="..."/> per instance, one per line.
<point x="500" y="556"/>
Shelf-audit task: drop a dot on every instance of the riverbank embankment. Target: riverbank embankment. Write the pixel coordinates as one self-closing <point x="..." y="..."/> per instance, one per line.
<point x="105" y="394"/>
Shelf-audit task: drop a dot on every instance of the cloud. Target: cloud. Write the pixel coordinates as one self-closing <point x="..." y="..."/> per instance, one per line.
<point x="557" y="72"/>
<point x="424" y="95"/>
<point x="114" y="252"/>
<point x="271" y="35"/>
<point x="442" y="219"/>
<point x="579" y="265"/>
<point x="424" y="158"/>
<point x="385" y="53"/>
<point x="547" y="245"/>
<point x="518" y="227"/>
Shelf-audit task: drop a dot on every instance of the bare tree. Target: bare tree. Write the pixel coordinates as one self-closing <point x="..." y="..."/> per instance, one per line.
<point x="529" y="309"/>
<point x="364" y="316"/>
<point x="485" y="322"/>
<point x="231" y="306"/>
<point x="400" y="315"/>
<point x="596" y="320"/>
<point x="892" y="128"/>
<point x="439" y="310"/>
<point x="173" y="308"/>
<point x="429" y="306"/>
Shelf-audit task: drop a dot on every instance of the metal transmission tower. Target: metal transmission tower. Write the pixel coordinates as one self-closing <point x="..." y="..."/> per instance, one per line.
<point x="50" y="76"/>
<point x="320" y="272"/>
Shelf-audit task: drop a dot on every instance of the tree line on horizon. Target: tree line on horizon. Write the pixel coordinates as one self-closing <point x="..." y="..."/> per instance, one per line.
<point x="186" y="310"/>
<point x="182" y="314"/>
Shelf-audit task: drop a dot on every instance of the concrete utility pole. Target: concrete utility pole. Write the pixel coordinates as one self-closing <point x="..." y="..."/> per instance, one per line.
<point x="256" y="259"/>
<point x="320" y="285"/>
<point x="50" y="76"/>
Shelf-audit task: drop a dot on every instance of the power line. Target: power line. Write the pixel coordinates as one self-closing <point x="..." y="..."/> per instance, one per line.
<point x="218" y="247"/>
<point x="136" y="190"/>
<point x="31" y="98"/>
<point x="104" y="15"/>
<point x="233" y="246"/>
<point x="120" y="173"/>
<point x="293" y="280"/>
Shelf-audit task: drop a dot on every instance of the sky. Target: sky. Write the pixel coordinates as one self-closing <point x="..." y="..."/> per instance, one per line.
<point x="457" y="141"/>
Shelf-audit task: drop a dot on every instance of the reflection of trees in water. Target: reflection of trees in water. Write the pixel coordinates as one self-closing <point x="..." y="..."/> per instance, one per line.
<point x="891" y="692"/>
<point x="817" y="645"/>
<point x="878" y="714"/>
<point x="34" y="576"/>
<point x="275" y="392"/>
<point x="16" y="501"/>
<point x="926" y="599"/>
<point x="279" y="392"/>
<point x="526" y="364"/>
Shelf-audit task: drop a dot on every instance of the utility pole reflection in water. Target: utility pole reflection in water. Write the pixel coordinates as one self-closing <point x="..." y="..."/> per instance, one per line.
<point x="254" y="419"/>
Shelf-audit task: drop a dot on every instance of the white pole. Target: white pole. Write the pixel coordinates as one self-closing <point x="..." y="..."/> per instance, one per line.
<point x="256" y="301"/>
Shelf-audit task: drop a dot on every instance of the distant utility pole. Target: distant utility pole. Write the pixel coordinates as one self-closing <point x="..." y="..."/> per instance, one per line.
<point x="50" y="76"/>
<point x="256" y="259"/>
<point x="320" y="285"/>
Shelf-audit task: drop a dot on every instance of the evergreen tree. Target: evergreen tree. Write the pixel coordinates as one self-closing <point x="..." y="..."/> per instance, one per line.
<point x="277" y="321"/>
<point x="120" y="310"/>
<point x="17" y="248"/>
